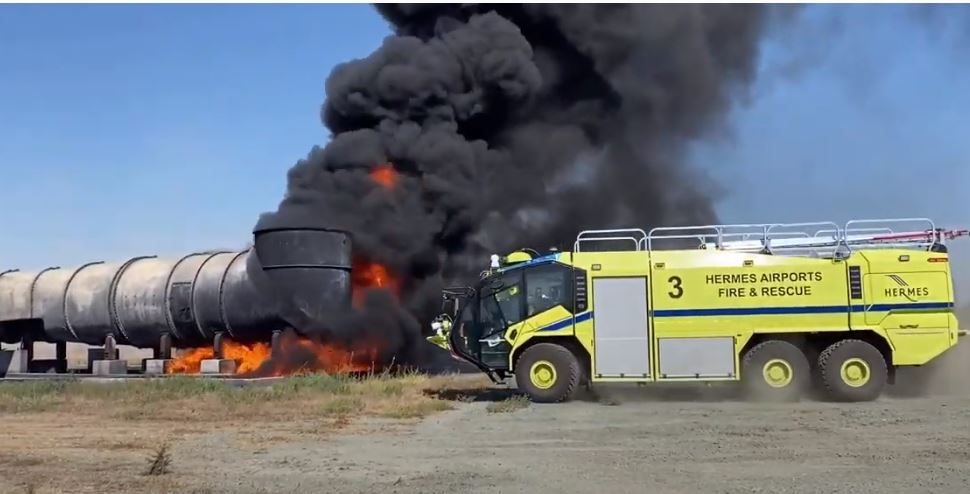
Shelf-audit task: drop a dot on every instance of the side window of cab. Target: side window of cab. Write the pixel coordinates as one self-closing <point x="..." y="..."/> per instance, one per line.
<point x="547" y="286"/>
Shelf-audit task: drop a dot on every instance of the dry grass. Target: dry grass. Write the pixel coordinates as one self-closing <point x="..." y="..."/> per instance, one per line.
<point x="64" y="436"/>
<point x="181" y="398"/>
<point x="160" y="461"/>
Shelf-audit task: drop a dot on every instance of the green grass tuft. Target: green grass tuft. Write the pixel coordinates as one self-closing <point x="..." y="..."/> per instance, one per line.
<point x="416" y="409"/>
<point x="342" y="406"/>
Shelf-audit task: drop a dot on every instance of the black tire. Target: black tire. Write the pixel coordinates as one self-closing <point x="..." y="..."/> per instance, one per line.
<point x="839" y="356"/>
<point x="562" y="361"/>
<point x="762" y="363"/>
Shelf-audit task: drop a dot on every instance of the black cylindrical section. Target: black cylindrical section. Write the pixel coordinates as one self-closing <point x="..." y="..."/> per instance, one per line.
<point x="307" y="271"/>
<point x="14" y="295"/>
<point x="87" y="303"/>
<point x="180" y="305"/>
<point x="14" y="303"/>
<point x="207" y="295"/>
<point x="248" y="314"/>
<point x="139" y="297"/>
<point x="47" y="303"/>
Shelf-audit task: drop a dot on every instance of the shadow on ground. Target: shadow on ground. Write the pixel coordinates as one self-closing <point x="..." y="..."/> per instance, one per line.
<point x="474" y="394"/>
<point x="907" y="387"/>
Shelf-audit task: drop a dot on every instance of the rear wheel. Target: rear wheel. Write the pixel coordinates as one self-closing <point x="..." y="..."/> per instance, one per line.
<point x="547" y="372"/>
<point x="774" y="370"/>
<point x="852" y="370"/>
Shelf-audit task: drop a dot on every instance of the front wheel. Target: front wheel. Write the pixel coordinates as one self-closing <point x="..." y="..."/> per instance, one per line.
<point x="547" y="373"/>
<point x="852" y="370"/>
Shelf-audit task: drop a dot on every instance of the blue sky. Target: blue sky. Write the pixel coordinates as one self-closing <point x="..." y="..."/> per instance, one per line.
<point x="162" y="129"/>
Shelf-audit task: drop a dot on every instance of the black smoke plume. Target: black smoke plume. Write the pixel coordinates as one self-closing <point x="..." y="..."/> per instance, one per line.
<point x="514" y="126"/>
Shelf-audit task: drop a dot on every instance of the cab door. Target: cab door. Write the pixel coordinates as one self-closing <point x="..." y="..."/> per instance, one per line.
<point x="500" y="307"/>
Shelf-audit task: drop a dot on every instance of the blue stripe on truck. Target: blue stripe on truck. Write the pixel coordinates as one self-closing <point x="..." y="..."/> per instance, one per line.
<point x="811" y="309"/>
<point x="585" y="316"/>
<point x="761" y="311"/>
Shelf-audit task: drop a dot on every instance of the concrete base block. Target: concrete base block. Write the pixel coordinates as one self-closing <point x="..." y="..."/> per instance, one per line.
<point x="95" y="354"/>
<point x="17" y="363"/>
<point x="157" y="366"/>
<point x="109" y="367"/>
<point x="9" y="362"/>
<point x="218" y="366"/>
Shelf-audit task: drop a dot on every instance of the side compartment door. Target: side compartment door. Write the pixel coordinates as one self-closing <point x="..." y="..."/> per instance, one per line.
<point x="621" y="330"/>
<point x="910" y="297"/>
<point x="904" y="291"/>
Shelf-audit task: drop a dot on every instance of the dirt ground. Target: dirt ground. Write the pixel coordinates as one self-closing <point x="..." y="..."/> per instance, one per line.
<point x="638" y="445"/>
<point x="624" y="440"/>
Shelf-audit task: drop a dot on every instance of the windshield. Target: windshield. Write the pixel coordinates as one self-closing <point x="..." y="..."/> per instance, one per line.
<point x="499" y="304"/>
<point x="505" y="305"/>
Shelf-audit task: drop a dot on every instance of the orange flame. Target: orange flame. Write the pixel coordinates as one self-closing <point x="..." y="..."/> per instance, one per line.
<point x="384" y="174"/>
<point x="300" y="355"/>
<point x="190" y="362"/>
<point x="248" y="357"/>
<point x="369" y="275"/>
<point x="366" y="274"/>
<point x="294" y="355"/>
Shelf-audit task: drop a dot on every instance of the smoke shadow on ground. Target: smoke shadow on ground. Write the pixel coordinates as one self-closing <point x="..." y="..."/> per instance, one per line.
<point x="490" y="394"/>
<point x="617" y="394"/>
<point x="912" y="383"/>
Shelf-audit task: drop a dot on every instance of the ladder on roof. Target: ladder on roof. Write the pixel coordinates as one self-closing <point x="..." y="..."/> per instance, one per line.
<point x="814" y="239"/>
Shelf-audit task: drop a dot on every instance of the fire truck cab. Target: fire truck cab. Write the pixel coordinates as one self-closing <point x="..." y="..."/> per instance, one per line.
<point x="775" y="307"/>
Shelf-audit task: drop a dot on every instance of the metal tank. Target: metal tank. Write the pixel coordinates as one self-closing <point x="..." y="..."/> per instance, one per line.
<point x="292" y="277"/>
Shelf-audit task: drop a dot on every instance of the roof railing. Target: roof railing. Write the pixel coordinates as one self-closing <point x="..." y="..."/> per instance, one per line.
<point x="635" y="236"/>
<point x="824" y="238"/>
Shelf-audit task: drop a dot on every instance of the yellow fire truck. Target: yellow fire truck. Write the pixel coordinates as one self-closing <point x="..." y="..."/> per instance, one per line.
<point x="776" y="307"/>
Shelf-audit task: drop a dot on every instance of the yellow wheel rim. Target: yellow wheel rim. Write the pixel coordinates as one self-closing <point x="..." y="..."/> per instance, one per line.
<point x="777" y="373"/>
<point x="855" y="372"/>
<point x="543" y="374"/>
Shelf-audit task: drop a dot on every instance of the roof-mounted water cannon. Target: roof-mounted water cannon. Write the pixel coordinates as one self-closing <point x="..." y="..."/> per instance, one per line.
<point x="516" y="257"/>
